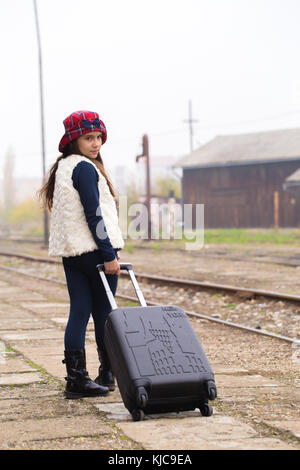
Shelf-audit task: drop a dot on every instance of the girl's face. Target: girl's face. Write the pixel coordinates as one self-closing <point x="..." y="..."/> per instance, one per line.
<point x="89" y="144"/>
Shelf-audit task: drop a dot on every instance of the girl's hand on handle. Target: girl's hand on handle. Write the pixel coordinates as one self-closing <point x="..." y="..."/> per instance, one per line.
<point x="112" y="267"/>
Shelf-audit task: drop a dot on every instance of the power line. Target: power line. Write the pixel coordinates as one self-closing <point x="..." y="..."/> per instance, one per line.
<point x="251" y="121"/>
<point x="178" y="131"/>
<point x="214" y="125"/>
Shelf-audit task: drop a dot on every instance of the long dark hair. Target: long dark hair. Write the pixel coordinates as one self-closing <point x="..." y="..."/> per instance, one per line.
<point x="45" y="194"/>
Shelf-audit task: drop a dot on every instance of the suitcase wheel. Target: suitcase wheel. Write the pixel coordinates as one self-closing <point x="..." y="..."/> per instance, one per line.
<point x="206" y="409"/>
<point x="212" y="390"/>
<point x="142" y="397"/>
<point x="138" y="415"/>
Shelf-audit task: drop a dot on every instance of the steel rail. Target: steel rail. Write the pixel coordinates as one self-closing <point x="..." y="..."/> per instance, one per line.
<point x="192" y="314"/>
<point x="226" y="287"/>
<point x="178" y="281"/>
<point x="264" y="258"/>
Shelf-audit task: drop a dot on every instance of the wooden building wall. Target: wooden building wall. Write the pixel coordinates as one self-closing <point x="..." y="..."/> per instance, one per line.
<point x="243" y="195"/>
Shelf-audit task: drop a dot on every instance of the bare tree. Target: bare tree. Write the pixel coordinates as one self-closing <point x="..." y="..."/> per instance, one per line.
<point x="8" y="180"/>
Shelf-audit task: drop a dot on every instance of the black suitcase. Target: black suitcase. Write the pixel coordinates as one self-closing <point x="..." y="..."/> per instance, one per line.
<point x="158" y="361"/>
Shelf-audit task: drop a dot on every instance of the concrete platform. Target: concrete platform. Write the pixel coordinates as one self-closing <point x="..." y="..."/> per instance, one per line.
<point x="34" y="414"/>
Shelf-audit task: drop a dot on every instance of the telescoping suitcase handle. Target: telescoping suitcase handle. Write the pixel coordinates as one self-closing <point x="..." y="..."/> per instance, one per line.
<point x="127" y="267"/>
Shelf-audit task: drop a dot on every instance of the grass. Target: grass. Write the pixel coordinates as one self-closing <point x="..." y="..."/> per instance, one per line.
<point x="290" y="236"/>
<point x="252" y="236"/>
<point x="234" y="236"/>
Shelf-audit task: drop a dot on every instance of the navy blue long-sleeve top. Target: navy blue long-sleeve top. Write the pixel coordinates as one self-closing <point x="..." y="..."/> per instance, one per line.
<point x="85" y="180"/>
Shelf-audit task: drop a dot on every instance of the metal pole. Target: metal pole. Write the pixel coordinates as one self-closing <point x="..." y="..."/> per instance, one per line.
<point x="148" y="185"/>
<point x="145" y="155"/>
<point x="46" y="229"/>
<point x="276" y="209"/>
<point x="190" y="121"/>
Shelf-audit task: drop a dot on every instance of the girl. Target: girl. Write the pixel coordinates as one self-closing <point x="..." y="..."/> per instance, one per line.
<point x="84" y="231"/>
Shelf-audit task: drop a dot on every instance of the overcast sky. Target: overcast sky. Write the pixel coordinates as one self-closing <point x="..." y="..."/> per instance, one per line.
<point x="137" y="63"/>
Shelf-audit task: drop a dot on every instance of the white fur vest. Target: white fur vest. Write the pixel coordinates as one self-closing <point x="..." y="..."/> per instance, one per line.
<point x="69" y="232"/>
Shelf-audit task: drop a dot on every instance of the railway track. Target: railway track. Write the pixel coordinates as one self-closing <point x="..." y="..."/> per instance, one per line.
<point x="177" y="281"/>
<point x="258" y="257"/>
<point x="174" y="282"/>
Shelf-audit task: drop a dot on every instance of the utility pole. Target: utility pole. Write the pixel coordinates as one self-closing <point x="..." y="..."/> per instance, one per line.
<point x="145" y="155"/>
<point x="46" y="229"/>
<point x="190" y="120"/>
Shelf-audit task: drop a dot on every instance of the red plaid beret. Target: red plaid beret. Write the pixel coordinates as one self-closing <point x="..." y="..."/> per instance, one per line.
<point x="80" y="123"/>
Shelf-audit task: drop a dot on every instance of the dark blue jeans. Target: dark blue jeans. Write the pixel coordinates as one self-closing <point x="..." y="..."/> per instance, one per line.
<point x="87" y="296"/>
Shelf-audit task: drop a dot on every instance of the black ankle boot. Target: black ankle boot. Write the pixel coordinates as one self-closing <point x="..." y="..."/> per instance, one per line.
<point x="106" y="376"/>
<point x="79" y="383"/>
